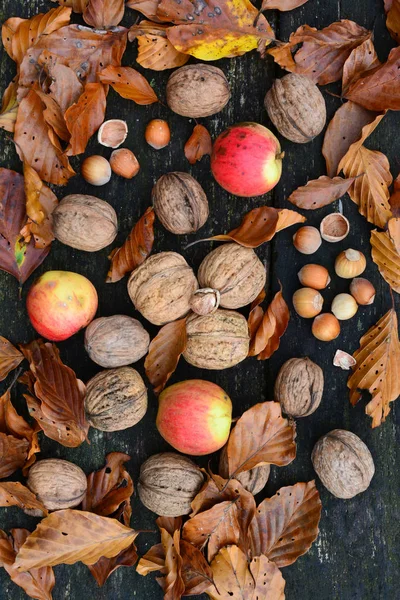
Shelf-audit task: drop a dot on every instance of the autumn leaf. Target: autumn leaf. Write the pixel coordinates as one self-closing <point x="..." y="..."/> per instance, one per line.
<point x="234" y="28"/>
<point x="285" y="526"/>
<point x="362" y="59"/>
<point x="287" y="218"/>
<point x="198" y="144"/>
<point x="17" y="257"/>
<point x="13" y="453"/>
<point x="196" y="572"/>
<point x="255" y="315"/>
<point x="40" y="203"/>
<point x="69" y="536"/>
<point x="60" y="394"/>
<point x="323" y="52"/>
<point x="10" y="357"/>
<point x="15" y="494"/>
<point x="8" y="30"/>
<point x="153" y="560"/>
<point x="261" y="436"/>
<point x="37" y="583"/>
<point x="78" y="6"/>
<point x="129" y="83"/>
<point x="148" y="8"/>
<point x="386" y="256"/>
<point x="320" y="192"/>
<point x="235" y="578"/>
<point x="155" y="51"/>
<point x="164" y="353"/>
<point x="9" y="108"/>
<point x="282" y="5"/>
<point x="65" y="88"/>
<point x="393" y="19"/>
<point x="103" y="14"/>
<point x="271" y="328"/>
<point x="351" y="123"/>
<point x="378" y="368"/>
<point x="134" y="250"/>
<point x="85" y="117"/>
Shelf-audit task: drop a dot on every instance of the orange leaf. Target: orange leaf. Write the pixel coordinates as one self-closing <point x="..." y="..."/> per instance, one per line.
<point x="255" y="315"/>
<point x="378" y="368"/>
<point x="393" y="19"/>
<point x="15" y="494"/>
<point x="8" y="30"/>
<point x="65" y="87"/>
<point x="271" y="328"/>
<point x="282" y="5"/>
<point x="134" y="250"/>
<point x="362" y="59"/>
<point x="40" y="203"/>
<point x="394" y="232"/>
<point x="386" y="255"/>
<point x="13" y="453"/>
<point x="198" y="144"/>
<point x="85" y="117"/>
<point x="155" y="51"/>
<point x="287" y="218"/>
<point x="164" y="353"/>
<point x="78" y="6"/>
<point x="261" y="436"/>
<point x="395" y="197"/>
<point x="102" y="14"/>
<point x="54" y="116"/>
<point x="10" y="357"/>
<point x="9" y="108"/>
<point x="320" y="192"/>
<point x="129" y="83"/>
<point x="196" y="573"/>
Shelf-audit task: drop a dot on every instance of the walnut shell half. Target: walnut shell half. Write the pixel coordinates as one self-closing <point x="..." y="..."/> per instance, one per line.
<point x="299" y="387"/>
<point x="57" y="483"/>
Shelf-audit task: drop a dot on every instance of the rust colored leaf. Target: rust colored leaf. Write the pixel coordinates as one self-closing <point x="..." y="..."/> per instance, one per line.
<point x="104" y="567"/>
<point x="323" y="52"/>
<point x="172" y="583"/>
<point x="10" y="357"/>
<point x="164" y="353"/>
<point x="351" y="123"/>
<point x="9" y="108"/>
<point x="59" y="392"/>
<point x="393" y="18"/>
<point x="386" y="255"/>
<point x="215" y="489"/>
<point x="261" y="436"/>
<point x="40" y="203"/>
<point x="155" y="51"/>
<point x="13" y="453"/>
<point x="15" y="494"/>
<point x="282" y="5"/>
<point x="103" y="14"/>
<point x="196" y="572"/>
<point x="287" y="218"/>
<point x="395" y="198"/>
<point x="8" y="30"/>
<point x="148" y="8"/>
<point x="85" y="117"/>
<point x="17" y="257"/>
<point x="134" y="250"/>
<point x="235" y="578"/>
<point x="378" y="89"/>
<point x="320" y="192"/>
<point x="37" y="583"/>
<point x="65" y="87"/>
<point x="153" y="560"/>
<point x="362" y="59"/>
<point x="54" y="116"/>
<point x="285" y="526"/>
<point x="271" y="328"/>
<point x="378" y="368"/>
<point x="78" y="6"/>
<point x="129" y="83"/>
<point x="394" y="232"/>
<point x="198" y="144"/>
<point x="255" y="315"/>
<point x="69" y="536"/>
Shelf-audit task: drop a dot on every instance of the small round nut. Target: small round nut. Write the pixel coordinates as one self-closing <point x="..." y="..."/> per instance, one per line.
<point x="205" y="301"/>
<point x="253" y="481"/>
<point x="168" y="482"/>
<point x="124" y="163"/>
<point x="57" y="483"/>
<point x="299" y="387"/>
<point x="116" y="341"/>
<point x="157" y="134"/>
<point x="115" y="399"/>
<point x="343" y="463"/>
<point x="96" y="170"/>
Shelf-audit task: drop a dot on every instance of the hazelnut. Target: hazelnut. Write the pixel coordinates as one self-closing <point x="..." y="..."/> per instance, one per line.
<point x="57" y="483"/>
<point x="96" y="170"/>
<point x="112" y="133"/>
<point x="350" y="263"/>
<point x="157" y="134"/>
<point x="362" y="291"/>
<point x="253" y="481"/>
<point x="205" y="301"/>
<point x="124" y="163"/>
<point x="307" y="302"/>
<point x="299" y="387"/>
<point x="344" y="307"/>
<point x="307" y="239"/>
<point x="334" y="228"/>
<point x="314" y="276"/>
<point x="325" y="327"/>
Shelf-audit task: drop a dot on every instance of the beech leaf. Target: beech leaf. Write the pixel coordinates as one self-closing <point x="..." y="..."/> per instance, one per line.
<point x="15" y="494"/>
<point x="85" y="117"/>
<point x="271" y="328"/>
<point x="65" y="88"/>
<point x="8" y="30"/>
<point x="362" y="59"/>
<point x="54" y="116"/>
<point x="148" y="8"/>
<point x="386" y="256"/>
<point x="155" y="51"/>
<point x="13" y="453"/>
<point x="102" y="14"/>
<point x="164" y="353"/>
<point x="40" y="203"/>
<point x="285" y="526"/>
<point x="287" y="218"/>
<point x="378" y="368"/>
<point x="172" y="584"/>
<point x="10" y="357"/>
<point x="78" y="6"/>
<point x="196" y="572"/>
<point x="320" y="192"/>
<point x="9" y="108"/>
<point x="282" y="5"/>
<point x="129" y="83"/>
<point x="136" y="248"/>
<point x="393" y="19"/>
<point x="198" y="144"/>
<point x="255" y="315"/>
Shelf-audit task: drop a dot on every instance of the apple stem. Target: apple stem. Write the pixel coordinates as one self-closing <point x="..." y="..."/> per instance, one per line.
<point x="280" y="156"/>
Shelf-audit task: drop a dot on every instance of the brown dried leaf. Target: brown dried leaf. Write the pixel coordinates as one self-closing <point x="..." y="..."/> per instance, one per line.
<point x="378" y="368"/>
<point x="155" y="51"/>
<point x="40" y="203"/>
<point x="287" y="218"/>
<point x="10" y="357"/>
<point x="54" y="116"/>
<point x="282" y="5"/>
<point x="65" y="87"/>
<point x="198" y="144"/>
<point x="386" y="256"/>
<point x="85" y="117"/>
<point x="196" y="572"/>
<point x="395" y="198"/>
<point x="134" y="250"/>
<point x="285" y="526"/>
<point x="9" y="108"/>
<point x="103" y="14"/>
<point x="261" y="436"/>
<point x="172" y="584"/>
<point x="78" y="6"/>
<point x="13" y="453"/>
<point x="164" y="353"/>
<point x="129" y="83"/>
<point x="393" y="18"/>
<point x="104" y="567"/>
<point x="69" y="536"/>
<point x="255" y="315"/>
<point x="320" y="192"/>
<point x="323" y="53"/>
<point x="394" y="232"/>
<point x="15" y="494"/>
<point x="148" y="8"/>
<point x="362" y="59"/>
<point x="8" y="30"/>
<point x="271" y="328"/>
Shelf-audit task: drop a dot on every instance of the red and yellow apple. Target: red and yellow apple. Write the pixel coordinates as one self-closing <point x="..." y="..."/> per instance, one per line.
<point x="60" y="303"/>
<point x="247" y="160"/>
<point x="194" y="416"/>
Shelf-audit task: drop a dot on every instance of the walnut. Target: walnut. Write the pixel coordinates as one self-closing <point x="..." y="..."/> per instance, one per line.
<point x="161" y="287"/>
<point x="180" y="203"/>
<point x="299" y="387"/>
<point x="57" y="483"/>
<point x="168" y="483"/>
<point x="296" y="107"/>
<point x="253" y="481"/>
<point x="115" y="399"/>
<point x="116" y="341"/>
<point x="216" y="341"/>
<point x="343" y="463"/>
<point x="236" y="272"/>
<point x="197" y="91"/>
<point x="85" y="222"/>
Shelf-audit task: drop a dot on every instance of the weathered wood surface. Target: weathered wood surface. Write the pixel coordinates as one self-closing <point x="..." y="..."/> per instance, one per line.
<point x="356" y="556"/>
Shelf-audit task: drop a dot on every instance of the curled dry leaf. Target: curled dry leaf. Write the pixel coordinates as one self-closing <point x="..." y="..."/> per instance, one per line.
<point x="285" y="526"/>
<point x="54" y="116"/>
<point x="40" y="203"/>
<point x="155" y="51"/>
<point x="9" y="108"/>
<point x="15" y="494"/>
<point x="392" y="10"/>
<point x="65" y="88"/>
<point x="196" y="572"/>
<point x="386" y="256"/>
<point x="129" y="83"/>
<point x="172" y="583"/>
<point x="198" y="144"/>
<point x="343" y="360"/>
<point x="102" y="14"/>
<point x="10" y="357"/>
<point x="362" y="59"/>
<point x="134" y="250"/>
<point x="8" y="30"/>
<point x="394" y="232"/>
<point x="287" y="218"/>
<point x="320" y="192"/>
<point x="266" y="339"/>
<point x="234" y="577"/>
<point x="255" y="315"/>
<point x="282" y="5"/>
<point x="85" y="117"/>
<point x="37" y="583"/>
<point x="164" y="353"/>
<point x="378" y="368"/>
<point x="13" y="454"/>
<point x="323" y="53"/>
<point x="69" y="536"/>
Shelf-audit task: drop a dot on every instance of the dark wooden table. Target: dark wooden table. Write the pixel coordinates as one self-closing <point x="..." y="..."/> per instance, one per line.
<point x="356" y="556"/>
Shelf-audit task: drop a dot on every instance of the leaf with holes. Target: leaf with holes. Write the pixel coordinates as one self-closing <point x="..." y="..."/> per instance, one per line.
<point x="9" y="108"/>
<point x="103" y="14"/>
<point x="320" y="192"/>
<point x="10" y="357"/>
<point x="272" y="326"/>
<point x="198" y="144"/>
<point x="129" y="83"/>
<point x="15" y="494"/>
<point x="85" y="117"/>
<point x="8" y="30"/>
<point x="172" y="582"/>
<point x="40" y="203"/>
<point x="155" y="51"/>
<point x="164" y="353"/>
<point x="386" y="256"/>
<point x="362" y="59"/>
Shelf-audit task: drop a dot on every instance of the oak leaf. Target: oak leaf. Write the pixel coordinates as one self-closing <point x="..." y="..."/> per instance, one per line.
<point x="320" y="192"/>
<point x="164" y="353"/>
<point x="282" y="5"/>
<point x="69" y="536"/>
<point x="362" y="59"/>
<point x="9" y="108"/>
<point x="198" y="144"/>
<point x="136" y="248"/>
<point x="393" y="19"/>
<point x="386" y="255"/>
<point x="13" y="454"/>
<point x="10" y="357"/>
<point x="103" y="14"/>
<point x="85" y="117"/>
<point x="378" y="368"/>
<point x="271" y="328"/>
<point x="78" y="6"/>
<point x="40" y="203"/>
<point x="285" y="526"/>
<point x="155" y="51"/>
<point x="129" y="83"/>
<point x="15" y="494"/>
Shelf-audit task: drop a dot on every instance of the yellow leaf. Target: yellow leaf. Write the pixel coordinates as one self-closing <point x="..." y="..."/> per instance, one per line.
<point x="387" y="257"/>
<point x="155" y="51"/>
<point x="9" y="108"/>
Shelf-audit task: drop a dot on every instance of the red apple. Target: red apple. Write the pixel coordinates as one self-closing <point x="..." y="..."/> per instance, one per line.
<point x="247" y="160"/>
<point x="194" y="416"/>
<point x="60" y="303"/>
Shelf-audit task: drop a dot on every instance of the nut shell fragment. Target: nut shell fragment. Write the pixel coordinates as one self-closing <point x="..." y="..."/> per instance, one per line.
<point x="112" y="133"/>
<point x="299" y="387"/>
<point x="57" y="483"/>
<point x="334" y="227"/>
